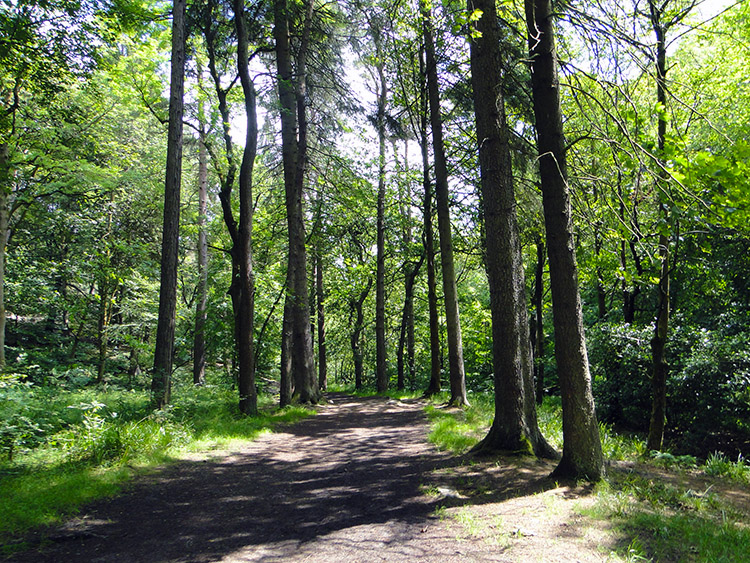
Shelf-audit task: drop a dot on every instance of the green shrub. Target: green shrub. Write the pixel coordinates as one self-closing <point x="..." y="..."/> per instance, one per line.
<point x="620" y="366"/>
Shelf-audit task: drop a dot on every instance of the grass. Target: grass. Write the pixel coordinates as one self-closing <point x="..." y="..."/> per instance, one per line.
<point x="88" y="444"/>
<point x="458" y="430"/>
<point x="671" y="523"/>
<point x="652" y="520"/>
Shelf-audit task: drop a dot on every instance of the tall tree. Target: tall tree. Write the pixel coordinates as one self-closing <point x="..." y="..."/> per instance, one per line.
<point x="515" y="425"/>
<point x="242" y="285"/>
<point x="246" y="356"/>
<point x="162" y="377"/>
<point x="381" y="353"/>
<point x="662" y="17"/>
<point x="294" y="154"/>
<point x="201" y="302"/>
<point x="582" y="450"/>
<point x="442" y="194"/>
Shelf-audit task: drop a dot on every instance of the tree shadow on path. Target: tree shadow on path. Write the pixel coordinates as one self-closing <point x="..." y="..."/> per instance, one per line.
<point x="346" y="485"/>
<point x="356" y="467"/>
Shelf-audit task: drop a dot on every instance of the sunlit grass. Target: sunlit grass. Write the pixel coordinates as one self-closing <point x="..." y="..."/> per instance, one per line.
<point x="670" y="522"/>
<point x="458" y="430"/>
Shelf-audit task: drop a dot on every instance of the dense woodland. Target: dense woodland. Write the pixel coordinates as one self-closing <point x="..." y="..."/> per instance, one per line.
<point x="534" y="199"/>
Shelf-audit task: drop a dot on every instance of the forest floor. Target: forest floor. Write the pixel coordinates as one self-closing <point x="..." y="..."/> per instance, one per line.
<point x="357" y="482"/>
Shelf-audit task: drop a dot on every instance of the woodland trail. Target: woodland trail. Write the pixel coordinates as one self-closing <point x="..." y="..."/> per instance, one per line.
<point x="344" y="485"/>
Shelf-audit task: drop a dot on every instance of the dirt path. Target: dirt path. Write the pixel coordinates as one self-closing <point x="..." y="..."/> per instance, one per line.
<point x="357" y="483"/>
<point x="344" y="485"/>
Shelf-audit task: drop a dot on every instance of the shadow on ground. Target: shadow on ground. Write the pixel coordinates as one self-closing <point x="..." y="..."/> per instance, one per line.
<point x="348" y="484"/>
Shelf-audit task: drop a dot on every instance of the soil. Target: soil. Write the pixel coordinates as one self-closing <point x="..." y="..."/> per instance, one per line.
<point x="356" y="482"/>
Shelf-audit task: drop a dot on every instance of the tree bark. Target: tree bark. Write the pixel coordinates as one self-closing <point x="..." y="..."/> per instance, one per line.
<point x="320" y="289"/>
<point x="5" y="190"/>
<point x="286" y="389"/>
<point x="582" y="452"/>
<point x="660" y="368"/>
<point x="442" y="193"/>
<point x="246" y="382"/>
<point x="435" y="385"/>
<point x="162" y="377"/>
<point x="294" y="156"/>
<point x="515" y="426"/>
<point x="199" y="338"/>
<point x="406" y="334"/>
<point x="356" y="305"/>
<point x="381" y="357"/>
<point x="539" y="317"/>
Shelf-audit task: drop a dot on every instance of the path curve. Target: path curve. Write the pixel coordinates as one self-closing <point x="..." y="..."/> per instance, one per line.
<point x="344" y="485"/>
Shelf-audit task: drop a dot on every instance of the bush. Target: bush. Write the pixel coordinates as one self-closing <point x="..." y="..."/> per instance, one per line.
<point x="620" y="358"/>
<point x="708" y="389"/>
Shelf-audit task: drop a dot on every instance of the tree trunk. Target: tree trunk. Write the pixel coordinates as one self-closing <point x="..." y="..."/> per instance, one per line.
<point x="539" y="324"/>
<point x="381" y="358"/>
<point x="601" y="294"/>
<point x="356" y="305"/>
<point x="582" y="451"/>
<point x="515" y="427"/>
<point x="286" y="379"/>
<point x="5" y="189"/>
<point x="322" y="358"/>
<point x="406" y="334"/>
<point x="452" y="321"/>
<point x="101" y="330"/>
<point x="199" y="339"/>
<point x="435" y="385"/>
<point x="294" y="156"/>
<point x="246" y="381"/>
<point x="162" y="377"/>
<point x="660" y="368"/>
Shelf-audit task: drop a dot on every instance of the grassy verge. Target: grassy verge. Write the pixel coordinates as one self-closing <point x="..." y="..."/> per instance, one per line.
<point x="88" y="444"/>
<point x="662" y="511"/>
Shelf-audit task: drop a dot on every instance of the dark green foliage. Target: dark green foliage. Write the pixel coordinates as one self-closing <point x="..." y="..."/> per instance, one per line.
<point x="709" y="385"/>
<point x="620" y="360"/>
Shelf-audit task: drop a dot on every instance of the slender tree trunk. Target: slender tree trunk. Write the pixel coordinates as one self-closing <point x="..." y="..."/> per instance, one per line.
<point x="356" y="305"/>
<point x="287" y="381"/>
<point x="435" y="384"/>
<point x="101" y="327"/>
<point x="246" y="356"/>
<point x="515" y="425"/>
<point x="601" y="294"/>
<point x="5" y="189"/>
<point x="161" y="384"/>
<point x="661" y="326"/>
<point x="539" y="324"/>
<point x="320" y="293"/>
<point x="199" y="340"/>
<point x="582" y="451"/>
<point x="406" y="334"/>
<point x="452" y="320"/>
<point x="381" y="358"/>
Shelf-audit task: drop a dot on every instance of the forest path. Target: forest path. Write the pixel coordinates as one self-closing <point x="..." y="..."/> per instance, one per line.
<point x="344" y="485"/>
